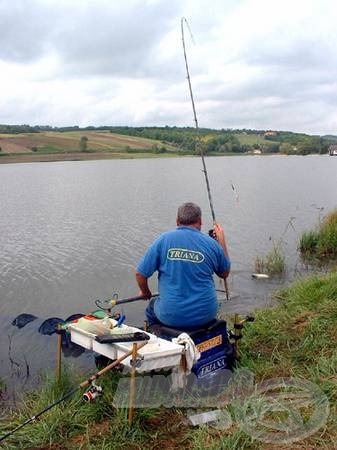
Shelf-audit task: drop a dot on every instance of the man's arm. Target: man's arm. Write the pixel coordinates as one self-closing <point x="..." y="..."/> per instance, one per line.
<point x="143" y="285"/>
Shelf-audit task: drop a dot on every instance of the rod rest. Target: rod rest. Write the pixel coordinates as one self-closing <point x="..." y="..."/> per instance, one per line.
<point x="214" y="325"/>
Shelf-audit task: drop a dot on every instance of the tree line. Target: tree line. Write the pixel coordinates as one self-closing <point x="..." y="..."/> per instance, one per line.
<point x="223" y="141"/>
<point x="209" y="141"/>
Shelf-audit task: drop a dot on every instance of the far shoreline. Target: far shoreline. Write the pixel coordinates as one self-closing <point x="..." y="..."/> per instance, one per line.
<point x="97" y="156"/>
<point x="76" y="156"/>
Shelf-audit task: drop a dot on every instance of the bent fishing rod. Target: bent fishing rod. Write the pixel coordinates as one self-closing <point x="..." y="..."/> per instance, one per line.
<point x="198" y="146"/>
<point x="73" y="391"/>
<point x="196" y="122"/>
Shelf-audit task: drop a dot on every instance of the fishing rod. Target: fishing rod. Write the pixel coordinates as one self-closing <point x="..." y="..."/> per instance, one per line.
<point x="74" y="390"/>
<point x="196" y="122"/>
<point x="198" y="146"/>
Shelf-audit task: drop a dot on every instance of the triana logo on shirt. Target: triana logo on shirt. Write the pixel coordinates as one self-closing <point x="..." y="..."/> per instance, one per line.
<point x="183" y="254"/>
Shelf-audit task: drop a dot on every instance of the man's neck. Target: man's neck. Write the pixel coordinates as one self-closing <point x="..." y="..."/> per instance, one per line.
<point x="197" y="225"/>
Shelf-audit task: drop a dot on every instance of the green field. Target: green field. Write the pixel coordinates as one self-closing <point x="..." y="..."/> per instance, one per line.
<point x="251" y="139"/>
<point x="69" y="142"/>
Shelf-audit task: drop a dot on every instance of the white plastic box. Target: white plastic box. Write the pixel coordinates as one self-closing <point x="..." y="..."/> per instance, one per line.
<point x="83" y="332"/>
<point x="81" y="337"/>
<point x="156" y="354"/>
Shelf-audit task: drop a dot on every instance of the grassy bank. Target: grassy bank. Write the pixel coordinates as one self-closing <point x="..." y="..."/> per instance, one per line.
<point x="297" y="338"/>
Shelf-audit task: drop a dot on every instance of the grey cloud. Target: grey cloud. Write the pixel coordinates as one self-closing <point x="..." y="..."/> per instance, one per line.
<point x="277" y="84"/>
<point x="296" y="55"/>
<point x="114" y="42"/>
<point x="23" y="31"/>
<point x="89" y="38"/>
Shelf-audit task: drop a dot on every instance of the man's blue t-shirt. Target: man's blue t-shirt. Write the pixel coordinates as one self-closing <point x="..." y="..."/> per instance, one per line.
<point x="186" y="260"/>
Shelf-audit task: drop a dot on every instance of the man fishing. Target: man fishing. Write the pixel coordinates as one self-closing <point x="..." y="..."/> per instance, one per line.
<point x="185" y="260"/>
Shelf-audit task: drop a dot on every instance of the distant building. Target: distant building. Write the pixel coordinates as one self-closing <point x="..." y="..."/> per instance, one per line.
<point x="254" y="152"/>
<point x="333" y="150"/>
<point x="270" y="133"/>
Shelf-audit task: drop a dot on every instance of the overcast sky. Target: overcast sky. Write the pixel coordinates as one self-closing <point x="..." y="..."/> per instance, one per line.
<point x="262" y="64"/>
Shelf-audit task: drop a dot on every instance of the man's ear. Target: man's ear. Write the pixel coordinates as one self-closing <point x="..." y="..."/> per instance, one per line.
<point x="177" y="222"/>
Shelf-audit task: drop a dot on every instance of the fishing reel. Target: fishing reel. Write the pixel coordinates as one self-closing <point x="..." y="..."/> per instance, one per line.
<point x="211" y="233"/>
<point x="107" y="305"/>
<point x="93" y="392"/>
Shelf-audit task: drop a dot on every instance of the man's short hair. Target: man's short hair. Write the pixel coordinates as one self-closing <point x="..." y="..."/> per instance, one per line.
<point x="188" y="213"/>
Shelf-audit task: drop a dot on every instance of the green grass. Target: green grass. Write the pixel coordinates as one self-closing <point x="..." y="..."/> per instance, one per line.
<point x="2" y="385"/>
<point x="51" y="149"/>
<point x="47" y="149"/>
<point x="321" y="244"/>
<point x="308" y="243"/>
<point x="298" y="338"/>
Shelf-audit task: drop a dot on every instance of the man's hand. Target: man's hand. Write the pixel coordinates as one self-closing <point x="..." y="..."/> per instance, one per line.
<point x="220" y="237"/>
<point x="219" y="233"/>
<point x="147" y="295"/>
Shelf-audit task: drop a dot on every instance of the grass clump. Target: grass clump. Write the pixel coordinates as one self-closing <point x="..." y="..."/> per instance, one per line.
<point x="273" y="263"/>
<point x="321" y="244"/>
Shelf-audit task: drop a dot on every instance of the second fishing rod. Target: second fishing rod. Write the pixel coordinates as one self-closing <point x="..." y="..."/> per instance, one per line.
<point x="199" y="147"/>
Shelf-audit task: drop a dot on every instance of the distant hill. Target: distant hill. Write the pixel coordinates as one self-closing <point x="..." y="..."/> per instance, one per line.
<point x="122" y="140"/>
<point x="330" y="137"/>
<point x="47" y="142"/>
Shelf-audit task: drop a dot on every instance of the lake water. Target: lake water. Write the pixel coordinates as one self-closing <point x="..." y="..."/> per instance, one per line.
<point x="72" y="232"/>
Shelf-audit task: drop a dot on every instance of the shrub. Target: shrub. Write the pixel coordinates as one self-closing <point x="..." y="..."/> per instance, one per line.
<point x="83" y="144"/>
